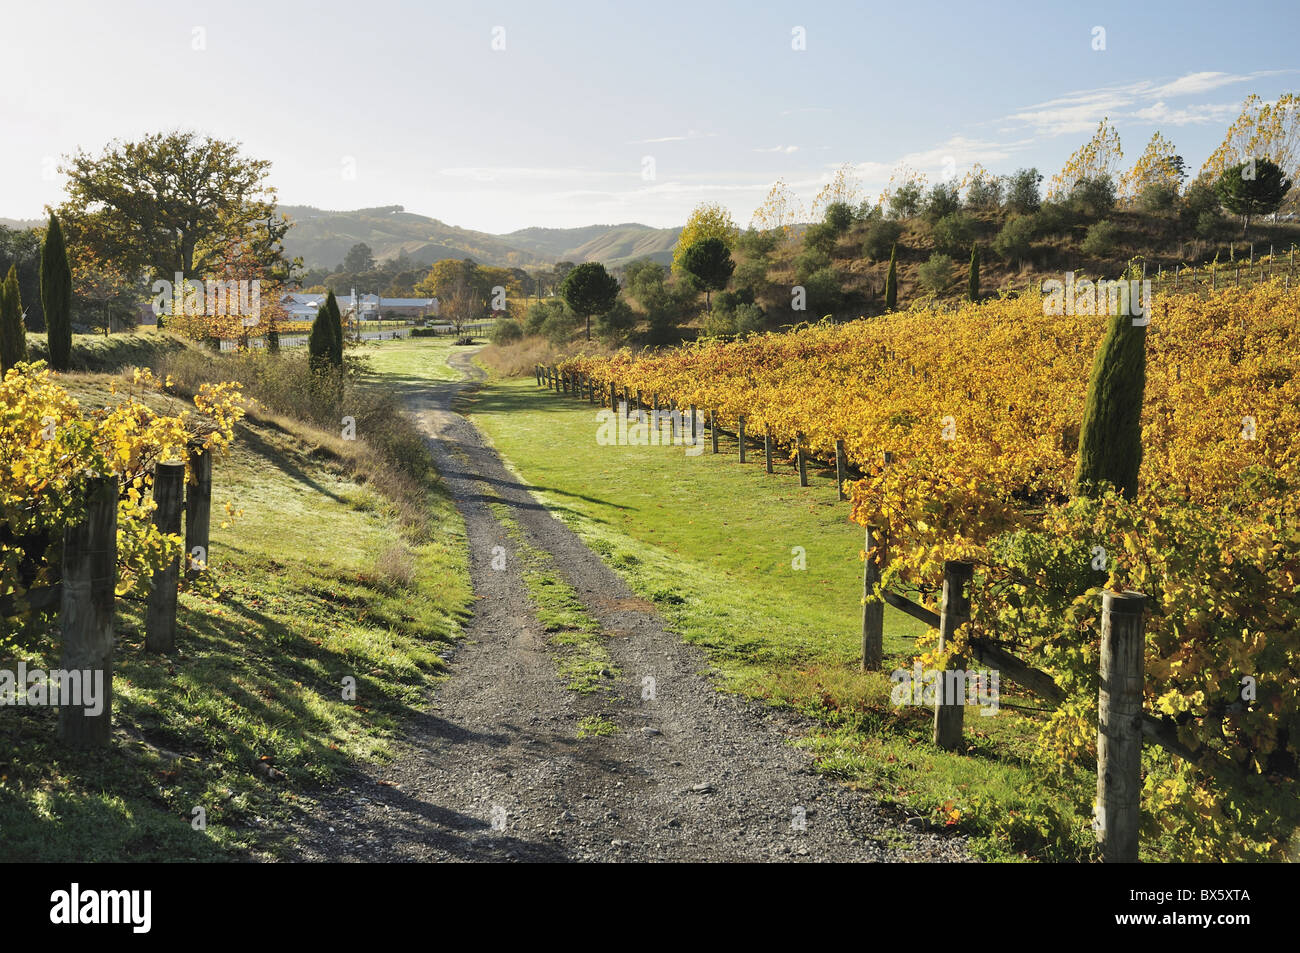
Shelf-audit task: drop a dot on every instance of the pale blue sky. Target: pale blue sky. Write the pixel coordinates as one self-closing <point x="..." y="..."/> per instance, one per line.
<point x="554" y="129"/>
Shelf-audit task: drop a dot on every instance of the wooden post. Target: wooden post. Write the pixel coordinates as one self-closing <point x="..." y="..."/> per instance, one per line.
<point x="802" y="459"/>
<point x="86" y="611"/>
<point x="873" y="613"/>
<point x="767" y="447"/>
<point x="841" y="469"/>
<point x="950" y="706"/>
<point x="160" y="613"/>
<point x="713" y="428"/>
<point x="537" y="373"/>
<point x="198" y="512"/>
<point x="613" y="396"/>
<point x="740" y="433"/>
<point x="1119" y="726"/>
<point x="694" y="431"/>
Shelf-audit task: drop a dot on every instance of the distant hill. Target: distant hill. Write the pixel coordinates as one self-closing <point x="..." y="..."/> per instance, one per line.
<point x="611" y="244"/>
<point x="22" y="224"/>
<point x="323" y="238"/>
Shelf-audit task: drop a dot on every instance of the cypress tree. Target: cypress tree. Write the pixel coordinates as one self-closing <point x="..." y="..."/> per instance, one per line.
<point x="13" y="336"/>
<point x="56" y="295"/>
<point x="973" y="283"/>
<point x="1110" y="437"/>
<point x="336" y="330"/>
<point x="891" y="281"/>
<point x="320" y="343"/>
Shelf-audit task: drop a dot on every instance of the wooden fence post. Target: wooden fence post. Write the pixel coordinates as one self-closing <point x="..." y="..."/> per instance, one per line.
<point x="198" y="512"/>
<point x="802" y="459"/>
<point x="613" y="396"/>
<point x="86" y="611"/>
<point x="1119" y="726"/>
<point x="160" y="613"/>
<point x="873" y="613"/>
<point x="767" y="447"/>
<point x="694" y="431"/>
<point x="591" y="389"/>
<point x="841" y="466"/>
<point x="537" y="373"/>
<point x="713" y="428"/>
<point x="740" y="434"/>
<point x="949" y="707"/>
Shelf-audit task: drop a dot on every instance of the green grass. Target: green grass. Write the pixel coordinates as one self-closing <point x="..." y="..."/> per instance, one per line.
<point x="407" y="362"/>
<point x="310" y="583"/>
<point x="712" y="543"/>
<point x="582" y="659"/>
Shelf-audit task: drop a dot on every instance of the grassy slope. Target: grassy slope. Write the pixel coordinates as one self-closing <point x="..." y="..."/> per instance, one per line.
<point x="711" y="542"/>
<point x="297" y="602"/>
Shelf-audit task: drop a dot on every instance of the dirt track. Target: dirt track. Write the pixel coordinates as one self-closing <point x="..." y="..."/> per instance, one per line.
<point x="494" y="770"/>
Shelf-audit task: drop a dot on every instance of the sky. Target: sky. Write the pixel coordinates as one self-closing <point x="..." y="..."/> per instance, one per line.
<point x="499" y="116"/>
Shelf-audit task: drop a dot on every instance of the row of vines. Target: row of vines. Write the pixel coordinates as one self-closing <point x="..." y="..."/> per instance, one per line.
<point x="979" y="411"/>
<point x="50" y="444"/>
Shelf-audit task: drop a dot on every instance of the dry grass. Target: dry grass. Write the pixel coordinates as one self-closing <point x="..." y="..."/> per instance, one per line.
<point x="519" y="359"/>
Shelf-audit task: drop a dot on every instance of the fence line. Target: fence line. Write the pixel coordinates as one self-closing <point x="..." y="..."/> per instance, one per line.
<point x="1122" y="724"/>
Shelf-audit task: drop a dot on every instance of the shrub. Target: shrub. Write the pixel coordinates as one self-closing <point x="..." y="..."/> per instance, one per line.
<point x="984" y="192"/>
<point x="1093" y="197"/>
<point x="936" y="274"/>
<point x="823" y="292"/>
<point x="808" y="261"/>
<point x="1053" y="219"/>
<point x="506" y="332"/>
<point x="820" y="237"/>
<point x="1014" y="242"/>
<point x="838" y="218"/>
<point x="953" y="233"/>
<point x="1101" y="239"/>
<point x="941" y="200"/>
<point x="615" y="323"/>
<point x="905" y="202"/>
<point x="882" y="235"/>
<point x="1022" y="191"/>
<point x="1158" y="197"/>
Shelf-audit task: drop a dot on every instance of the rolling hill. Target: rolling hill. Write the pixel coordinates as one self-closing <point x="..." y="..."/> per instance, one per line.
<point x="323" y="238"/>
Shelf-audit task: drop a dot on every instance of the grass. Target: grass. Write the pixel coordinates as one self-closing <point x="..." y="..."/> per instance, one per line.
<point x="714" y="545"/>
<point x="311" y="583"/>
<point x="408" y="362"/>
<point x="100" y="352"/>
<point x="581" y="659"/>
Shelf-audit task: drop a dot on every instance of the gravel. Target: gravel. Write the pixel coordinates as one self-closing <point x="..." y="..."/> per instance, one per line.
<point x="493" y="770"/>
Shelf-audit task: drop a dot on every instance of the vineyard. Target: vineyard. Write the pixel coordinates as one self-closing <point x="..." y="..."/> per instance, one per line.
<point x="963" y="429"/>
<point x="52" y="450"/>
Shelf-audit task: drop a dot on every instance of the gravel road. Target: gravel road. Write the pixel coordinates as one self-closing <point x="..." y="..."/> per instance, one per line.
<point x="493" y="769"/>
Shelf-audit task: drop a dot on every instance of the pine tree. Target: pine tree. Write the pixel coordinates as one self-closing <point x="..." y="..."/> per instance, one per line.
<point x="13" y="336"/>
<point x="56" y="296"/>
<point x="336" y="330"/>
<point x="1110" y="437"/>
<point x="973" y="283"/>
<point x="891" y="281"/>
